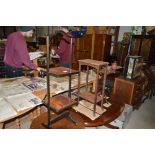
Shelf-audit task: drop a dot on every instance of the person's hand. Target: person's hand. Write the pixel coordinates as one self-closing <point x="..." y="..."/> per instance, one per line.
<point x="42" y="72"/>
<point x="41" y="69"/>
<point x="53" y="52"/>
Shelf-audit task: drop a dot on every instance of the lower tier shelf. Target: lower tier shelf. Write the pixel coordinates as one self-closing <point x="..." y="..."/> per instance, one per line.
<point x="90" y="97"/>
<point x="60" y="103"/>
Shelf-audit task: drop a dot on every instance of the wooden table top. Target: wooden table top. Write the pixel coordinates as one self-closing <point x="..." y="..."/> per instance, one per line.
<point x="39" y="93"/>
<point x="111" y="114"/>
<point x="64" y="123"/>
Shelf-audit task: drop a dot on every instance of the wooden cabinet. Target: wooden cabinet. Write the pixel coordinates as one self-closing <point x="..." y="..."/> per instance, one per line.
<point x="144" y="46"/>
<point x="84" y="47"/>
<point x="93" y="46"/>
<point x="130" y="91"/>
<point x="102" y="46"/>
<point x="122" y="53"/>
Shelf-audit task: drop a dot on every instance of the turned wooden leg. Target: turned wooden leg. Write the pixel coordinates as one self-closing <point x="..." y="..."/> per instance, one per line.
<point x="38" y="111"/>
<point x="2" y="125"/>
<point x="18" y="125"/>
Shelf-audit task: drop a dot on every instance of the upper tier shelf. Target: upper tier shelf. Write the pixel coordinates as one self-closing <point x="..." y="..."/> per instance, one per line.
<point x="62" y="71"/>
<point x="93" y="63"/>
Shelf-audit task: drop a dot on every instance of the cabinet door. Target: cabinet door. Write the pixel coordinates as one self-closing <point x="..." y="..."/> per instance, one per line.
<point x="102" y="45"/>
<point x="135" y="46"/>
<point x="152" y="52"/>
<point x="84" y="47"/>
<point x="141" y="45"/>
<point x="145" y="48"/>
<point x="123" y="51"/>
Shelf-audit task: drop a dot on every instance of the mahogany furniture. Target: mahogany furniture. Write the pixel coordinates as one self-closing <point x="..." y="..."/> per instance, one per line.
<point x="102" y="46"/>
<point x="60" y="104"/>
<point x="94" y="98"/>
<point x="149" y="85"/>
<point x="122" y="53"/>
<point x="63" y="123"/>
<point x="144" y="46"/>
<point x="131" y="91"/>
<point x="35" y="112"/>
<point x="92" y="46"/>
<point x="114" y="111"/>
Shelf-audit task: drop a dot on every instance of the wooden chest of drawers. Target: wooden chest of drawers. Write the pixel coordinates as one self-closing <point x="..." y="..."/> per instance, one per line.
<point x="131" y="91"/>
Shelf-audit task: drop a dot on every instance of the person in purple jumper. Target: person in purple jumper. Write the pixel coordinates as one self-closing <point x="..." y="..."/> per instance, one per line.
<point x="64" y="47"/>
<point x="16" y="52"/>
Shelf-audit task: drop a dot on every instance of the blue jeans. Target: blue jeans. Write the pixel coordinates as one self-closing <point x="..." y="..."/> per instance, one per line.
<point x="65" y="65"/>
<point x="12" y="72"/>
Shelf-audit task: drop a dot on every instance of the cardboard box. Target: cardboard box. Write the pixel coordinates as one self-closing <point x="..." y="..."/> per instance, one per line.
<point x="123" y="119"/>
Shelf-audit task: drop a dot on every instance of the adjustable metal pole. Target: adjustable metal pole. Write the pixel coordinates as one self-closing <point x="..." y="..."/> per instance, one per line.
<point x="70" y="65"/>
<point x="48" y="82"/>
<point x="70" y="53"/>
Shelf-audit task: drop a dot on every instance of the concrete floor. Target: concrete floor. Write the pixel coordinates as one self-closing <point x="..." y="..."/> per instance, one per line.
<point x="144" y="117"/>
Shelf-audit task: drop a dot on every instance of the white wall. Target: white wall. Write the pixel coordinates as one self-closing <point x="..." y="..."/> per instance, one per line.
<point x="43" y="30"/>
<point x="122" y="30"/>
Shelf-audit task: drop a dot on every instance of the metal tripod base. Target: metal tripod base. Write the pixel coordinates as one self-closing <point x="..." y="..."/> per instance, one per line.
<point x="71" y="119"/>
<point x="46" y="126"/>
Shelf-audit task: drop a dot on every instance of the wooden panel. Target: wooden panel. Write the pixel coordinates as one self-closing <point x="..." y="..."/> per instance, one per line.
<point x="135" y="46"/>
<point x="102" y="45"/>
<point x="98" y="47"/>
<point x="123" y="51"/>
<point x="144" y="46"/>
<point x="152" y="52"/>
<point x="84" y="47"/>
<point x="125" y="89"/>
<point x="130" y="91"/>
<point x="145" y="49"/>
<point x="90" y="97"/>
<point x="107" y="47"/>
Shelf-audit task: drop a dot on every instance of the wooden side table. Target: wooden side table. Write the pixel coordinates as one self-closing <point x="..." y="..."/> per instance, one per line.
<point x="88" y="96"/>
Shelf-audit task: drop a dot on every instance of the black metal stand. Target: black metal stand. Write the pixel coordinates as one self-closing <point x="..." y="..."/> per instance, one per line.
<point x="48" y="84"/>
<point x="63" y="113"/>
